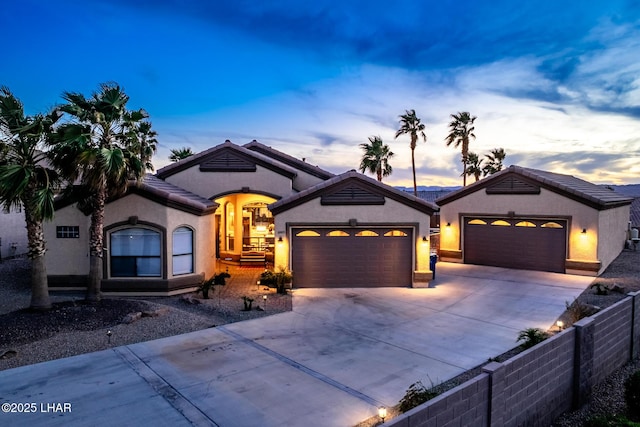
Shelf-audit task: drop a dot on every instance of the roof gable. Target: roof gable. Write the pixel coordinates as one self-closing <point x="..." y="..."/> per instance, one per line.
<point x="513" y="185"/>
<point x="352" y="188"/>
<point x="351" y="192"/>
<point x="519" y="180"/>
<point x="227" y="157"/>
<point x="227" y="160"/>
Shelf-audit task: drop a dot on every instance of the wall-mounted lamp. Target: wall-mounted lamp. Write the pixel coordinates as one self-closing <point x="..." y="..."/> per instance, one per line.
<point x="584" y="231"/>
<point x="424" y="239"/>
<point x="448" y="224"/>
<point x="560" y="325"/>
<point x="280" y="239"/>
<point x="382" y="413"/>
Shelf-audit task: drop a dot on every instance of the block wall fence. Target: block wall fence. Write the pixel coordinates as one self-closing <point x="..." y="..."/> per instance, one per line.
<point x="536" y="386"/>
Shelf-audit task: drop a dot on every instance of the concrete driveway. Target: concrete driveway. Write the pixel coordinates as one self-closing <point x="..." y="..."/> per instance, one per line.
<point x="330" y="362"/>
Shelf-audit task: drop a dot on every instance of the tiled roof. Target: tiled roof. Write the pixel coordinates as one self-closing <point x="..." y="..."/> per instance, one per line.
<point x="596" y="196"/>
<point x="288" y="160"/>
<point x="171" y="195"/>
<point x="159" y="191"/>
<point x="202" y="157"/>
<point x="635" y="213"/>
<point x="375" y="187"/>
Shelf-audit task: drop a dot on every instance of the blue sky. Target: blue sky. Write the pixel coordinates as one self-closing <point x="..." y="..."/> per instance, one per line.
<point x="555" y="83"/>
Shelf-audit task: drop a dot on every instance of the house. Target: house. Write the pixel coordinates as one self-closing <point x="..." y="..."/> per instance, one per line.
<point x="13" y="233"/>
<point x="252" y="205"/>
<point x="532" y="219"/>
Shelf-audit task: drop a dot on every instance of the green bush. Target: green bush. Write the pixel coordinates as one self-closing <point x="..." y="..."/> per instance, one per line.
<point x="610" y="421"/>
<point x="531" y="337"/>
<point x="415" y="395"/>
<point x="632" y="395"/>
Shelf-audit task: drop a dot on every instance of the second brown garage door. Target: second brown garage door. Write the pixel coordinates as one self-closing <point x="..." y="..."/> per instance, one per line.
<point x="351" y="257"/>
<point x="530" y="244"/>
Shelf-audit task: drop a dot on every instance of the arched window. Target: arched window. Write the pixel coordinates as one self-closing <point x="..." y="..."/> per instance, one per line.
<point x="182" y="251"/>
<point x="135" y="252"/>
<point x="366" y="233"/>
<point x="501" y="223"/>
<point x="337" y="233"/>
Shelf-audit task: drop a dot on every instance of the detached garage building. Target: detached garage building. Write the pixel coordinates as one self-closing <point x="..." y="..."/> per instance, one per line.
<point x="535" y="220"/>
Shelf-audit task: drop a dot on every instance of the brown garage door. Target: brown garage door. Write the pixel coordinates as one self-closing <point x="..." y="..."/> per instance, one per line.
<point x="530" y="244"/>
<point x="351" y="257"/>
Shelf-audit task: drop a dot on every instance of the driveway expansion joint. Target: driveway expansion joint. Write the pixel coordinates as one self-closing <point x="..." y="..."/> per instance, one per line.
<point x="181" y="404"/>
<point x="315" y="374"/>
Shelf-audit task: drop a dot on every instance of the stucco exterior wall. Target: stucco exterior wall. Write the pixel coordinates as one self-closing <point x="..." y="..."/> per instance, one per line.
<point x="70" y="257"/>
<point x="149" y="211"/>
<point x="392" y="212"/>
<point x="209" y="184"/>
<point x="612" y="228"/>
<point x="13" y="233"/>
<point x="547" y="203"/>
<point x="67" y="256"/>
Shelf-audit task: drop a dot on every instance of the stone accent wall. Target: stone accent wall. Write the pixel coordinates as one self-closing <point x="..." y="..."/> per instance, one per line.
<point x="536" y="386"/>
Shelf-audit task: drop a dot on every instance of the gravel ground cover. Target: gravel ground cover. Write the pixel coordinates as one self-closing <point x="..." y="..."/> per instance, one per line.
<point x="73" y="327"/>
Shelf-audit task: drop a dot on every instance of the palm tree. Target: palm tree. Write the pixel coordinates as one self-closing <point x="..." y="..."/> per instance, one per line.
<point x="461" y="129"/>
<point x="410" y="124"/>
<point x="494" y="161"/>
<point x="27" y="180"/>
<point x="104" y="145"/>
<point x="474" y="165"/>
<point x="178" y="154"/>
<point x="375" y="158"/>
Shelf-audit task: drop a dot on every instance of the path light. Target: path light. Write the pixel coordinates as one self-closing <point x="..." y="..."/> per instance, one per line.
<point x="109" y="336"/>
<point x="382" y="413"/>
<point x="264" y="298"/>
<point x="560" y="325"/>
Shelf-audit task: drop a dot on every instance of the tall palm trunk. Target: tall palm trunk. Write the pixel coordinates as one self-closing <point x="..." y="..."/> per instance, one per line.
<point x="39" y="285"/>
<point x="96" y="245"/>
<point x="414" y="140"/>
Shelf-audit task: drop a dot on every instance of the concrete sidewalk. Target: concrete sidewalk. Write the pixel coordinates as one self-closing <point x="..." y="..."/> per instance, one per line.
<point x="333" y="360"/>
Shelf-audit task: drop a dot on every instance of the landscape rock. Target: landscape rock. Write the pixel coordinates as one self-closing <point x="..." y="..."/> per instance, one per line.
<point x="618" y="288"/>
<point x="8" y="354"/>
<point x="131" y="317"/>
<point x="155" y="313"/>
<point x="190" y="299"/>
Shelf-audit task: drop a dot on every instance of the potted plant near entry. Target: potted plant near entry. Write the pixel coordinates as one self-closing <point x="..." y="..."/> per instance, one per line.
<point x="284" y="280"/>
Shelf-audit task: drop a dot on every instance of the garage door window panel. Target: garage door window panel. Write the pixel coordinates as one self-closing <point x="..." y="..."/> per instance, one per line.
<point x="308" y="233"/>
<point x="367" y="233"/>
<point x="338" y="233"/>
<point x="395" y="233"/>
<point x="501" y="223"/>
<point x="551" y="225"/>
<point x="525" y="224"/>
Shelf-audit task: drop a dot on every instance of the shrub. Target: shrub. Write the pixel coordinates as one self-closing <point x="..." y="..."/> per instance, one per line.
<point x="601" y="288"/>
<point x="415" y="395"/>
<point x="632" y="395"/>
<point x="531" y="337"/>
<point x="610" y="421"/>
<point x="578" y="310"/>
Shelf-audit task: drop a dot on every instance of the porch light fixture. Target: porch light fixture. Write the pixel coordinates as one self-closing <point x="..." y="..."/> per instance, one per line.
<point x="382" y="413"/>
<point x="560" y="325"/>
<point x="584" y="231"/>
<point x="448" y="224"/>
<point x="424" y="239"/>
<point x="280" y="239"/>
